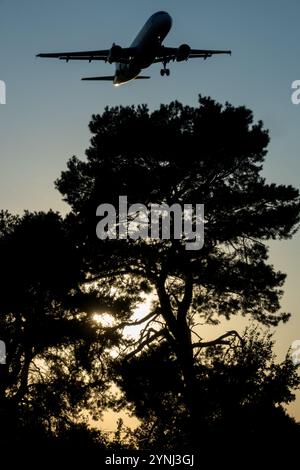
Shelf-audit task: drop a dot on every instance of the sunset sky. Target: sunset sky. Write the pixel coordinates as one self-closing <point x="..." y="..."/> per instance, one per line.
<point x="45" y="120"/>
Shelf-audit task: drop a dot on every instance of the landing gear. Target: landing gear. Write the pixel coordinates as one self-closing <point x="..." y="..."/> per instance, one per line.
<point x="165" y="71"/>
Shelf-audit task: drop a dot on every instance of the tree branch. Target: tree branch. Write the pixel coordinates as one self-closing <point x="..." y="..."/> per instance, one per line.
<point x="114" y="273"/>
<point x="187" y="298"/>
<point x="166" y="309"/>
<point x="220" y="340"/>
<point x="135" y="323"/>
<point x="146" y="342"/>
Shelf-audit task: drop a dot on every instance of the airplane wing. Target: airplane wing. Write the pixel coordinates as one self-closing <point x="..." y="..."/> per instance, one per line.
<point x="184" y="52"/>
<point x="206" y="52"/>
<point x="105" y="54"/>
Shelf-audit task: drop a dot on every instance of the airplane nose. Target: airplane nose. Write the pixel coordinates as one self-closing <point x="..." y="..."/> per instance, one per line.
<point x="166" y="21"/>
<point x="169" y="19"/>
<point x="169" y="22"/>
<point x="163" y="18"/>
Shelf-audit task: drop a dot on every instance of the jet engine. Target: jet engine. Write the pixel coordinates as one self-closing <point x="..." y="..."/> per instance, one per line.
<point x="183" y="52"/>
<point x="115" y="53"/>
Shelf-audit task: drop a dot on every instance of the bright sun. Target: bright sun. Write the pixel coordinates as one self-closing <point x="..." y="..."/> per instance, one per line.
<point x="107" y="320"/>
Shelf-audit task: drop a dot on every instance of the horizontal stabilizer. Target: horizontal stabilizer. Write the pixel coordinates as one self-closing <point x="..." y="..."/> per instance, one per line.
<point x="108" y="77"/>
<point x="111" y="78"/>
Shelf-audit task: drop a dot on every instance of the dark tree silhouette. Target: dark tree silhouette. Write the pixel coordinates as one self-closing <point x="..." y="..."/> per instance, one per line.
<point x="210" y="154"/>
<point x="244" y="390"/>
<point x="55" y="350"/>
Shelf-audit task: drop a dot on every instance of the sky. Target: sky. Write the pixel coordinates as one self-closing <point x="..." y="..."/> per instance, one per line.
<point x="45" y="119"/>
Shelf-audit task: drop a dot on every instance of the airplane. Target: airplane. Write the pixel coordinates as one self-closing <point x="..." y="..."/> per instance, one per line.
<point x="145" y="50"/>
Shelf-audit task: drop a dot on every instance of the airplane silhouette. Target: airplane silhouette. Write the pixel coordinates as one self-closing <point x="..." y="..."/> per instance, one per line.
<point x="145" y="50"/>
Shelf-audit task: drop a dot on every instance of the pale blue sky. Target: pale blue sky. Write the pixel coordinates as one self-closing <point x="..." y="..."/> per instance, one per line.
<point x="45" y="120"/>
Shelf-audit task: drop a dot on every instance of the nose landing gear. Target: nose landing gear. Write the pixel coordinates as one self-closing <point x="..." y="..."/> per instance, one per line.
<point x="165" y="71"/>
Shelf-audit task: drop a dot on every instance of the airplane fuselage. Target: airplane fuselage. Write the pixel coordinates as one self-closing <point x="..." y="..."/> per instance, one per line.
<point x="147" y="43"/>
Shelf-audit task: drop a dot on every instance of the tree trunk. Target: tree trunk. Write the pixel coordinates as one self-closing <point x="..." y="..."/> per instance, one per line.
<point x="184" y="353"/>
<point x="183" y="348"/>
